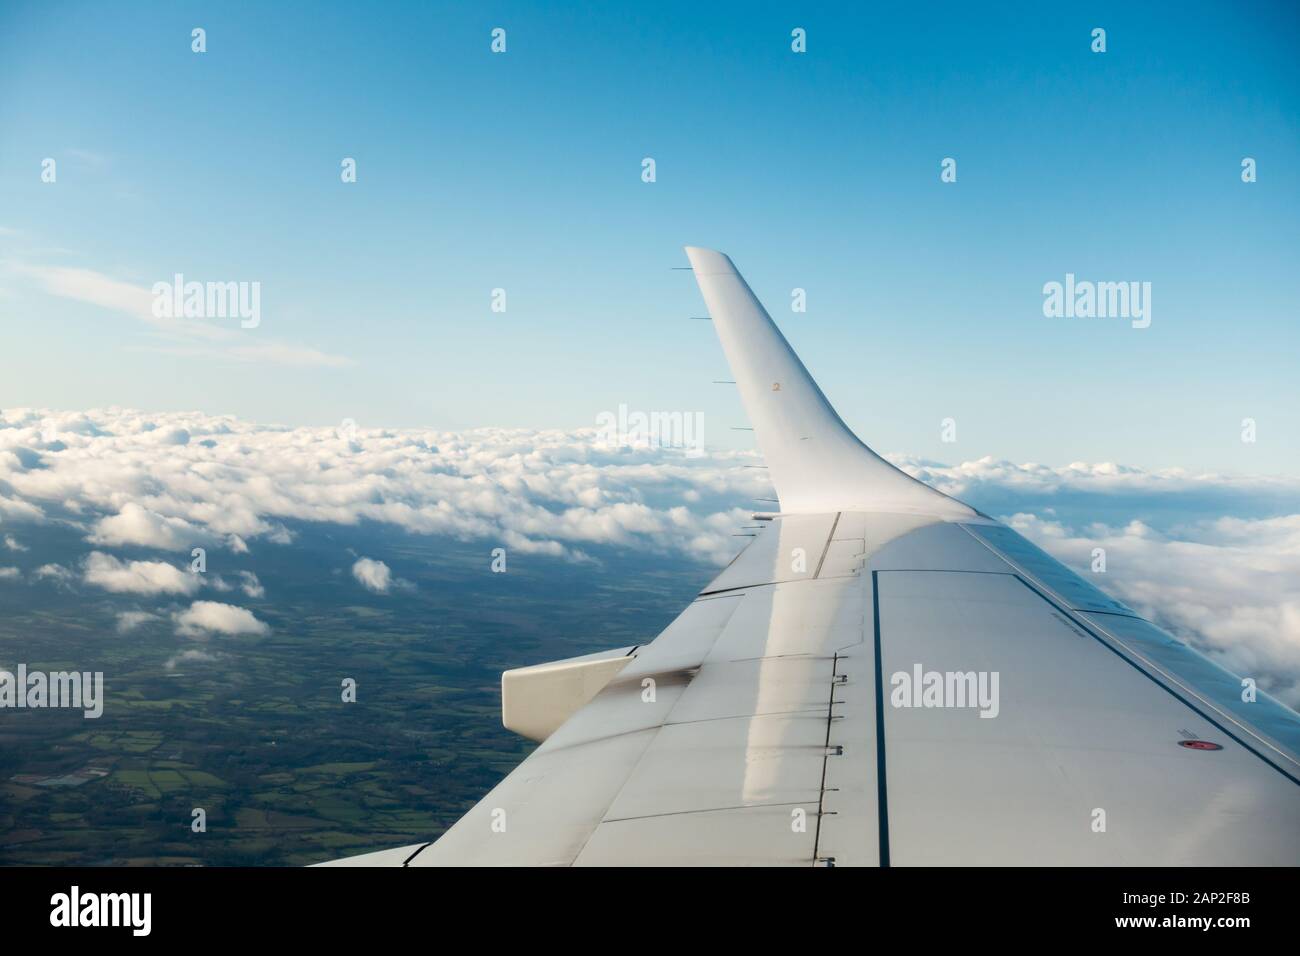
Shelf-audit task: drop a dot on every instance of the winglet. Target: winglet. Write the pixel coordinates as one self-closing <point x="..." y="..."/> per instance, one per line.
<point x="817" y="464"/>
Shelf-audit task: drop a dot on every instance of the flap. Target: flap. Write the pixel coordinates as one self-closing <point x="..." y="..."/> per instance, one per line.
<point x="536" y="700"/>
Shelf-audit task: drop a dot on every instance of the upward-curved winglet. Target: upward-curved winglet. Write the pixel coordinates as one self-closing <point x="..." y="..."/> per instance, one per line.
<point x="817" y="464"/>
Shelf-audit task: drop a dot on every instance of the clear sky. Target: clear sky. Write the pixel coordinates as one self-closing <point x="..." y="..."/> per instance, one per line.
<point x="523" y="170"/>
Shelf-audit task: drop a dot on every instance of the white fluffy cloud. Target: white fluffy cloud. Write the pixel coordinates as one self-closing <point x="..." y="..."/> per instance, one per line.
<point x="137" y="577"/>
<point x="134" y="525"/>
<point x="373" y="575"/>
<point x="212" y="617"/>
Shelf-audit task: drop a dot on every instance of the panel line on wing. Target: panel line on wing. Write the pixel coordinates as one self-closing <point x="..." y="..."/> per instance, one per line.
<point x="882" y="789"/>
<point x="829" y="538"/>
<point x="420" y="850"/>
<point x="811" y="709"/>
<point x="683" y="813"/>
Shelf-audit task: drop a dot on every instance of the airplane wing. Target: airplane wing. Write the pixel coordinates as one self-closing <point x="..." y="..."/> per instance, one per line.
<point x="884" y="676"/>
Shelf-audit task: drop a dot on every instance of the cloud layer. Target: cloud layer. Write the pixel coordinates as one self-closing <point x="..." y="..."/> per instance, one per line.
<point x="232" y="483"/>
<point x="1216" y="558"/>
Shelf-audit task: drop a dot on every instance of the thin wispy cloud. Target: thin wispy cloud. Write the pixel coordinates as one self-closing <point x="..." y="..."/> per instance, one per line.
<point x="88" y="157"/>
<point x="128" y="621"/>
<point x="203" y="338"/>
<point x="191" y="656"/>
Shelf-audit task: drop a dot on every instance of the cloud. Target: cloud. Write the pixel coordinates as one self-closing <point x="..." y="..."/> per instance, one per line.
<point x="128" y="621"/>
<point x="1001" y="486"/>
<point x="192" y="656"/>
<point x="189" y="337"/>
<point x="10" y="574"/>
<point x="13" y="544"/>
<point x="373" y="575"/>
<point x="88" y="156"/>
<point x="140" y="526"/>
<point x="54" y="572"/>
<point x="211" y="617"/>
<point x="12" y="508"/>
<point x="137" y="577"/>
<point x="86" y="285"/>
<point x="250" y="585"/>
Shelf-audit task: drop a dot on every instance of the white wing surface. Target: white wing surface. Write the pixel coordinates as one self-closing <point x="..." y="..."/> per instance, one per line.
<point x="884" y="676"/>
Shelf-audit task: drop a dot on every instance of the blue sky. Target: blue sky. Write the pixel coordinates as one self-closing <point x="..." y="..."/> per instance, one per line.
<point x="522" y="171"/>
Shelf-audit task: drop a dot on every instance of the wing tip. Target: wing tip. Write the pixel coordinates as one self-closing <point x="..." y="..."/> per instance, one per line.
<point x="710" y="262"/>
<point x="816" y="463"/>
